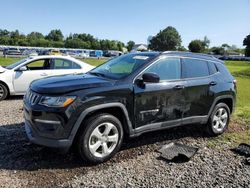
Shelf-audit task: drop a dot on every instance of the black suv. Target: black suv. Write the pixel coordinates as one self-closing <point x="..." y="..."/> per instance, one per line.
<point x="129" y="95"/>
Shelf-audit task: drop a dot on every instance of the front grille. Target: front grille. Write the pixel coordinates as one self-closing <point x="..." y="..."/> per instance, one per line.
<point x="32" y="97"/>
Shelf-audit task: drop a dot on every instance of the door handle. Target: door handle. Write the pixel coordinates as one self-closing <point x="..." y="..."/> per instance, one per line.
<point x="44" y="74"/>
<point x="213" y="83"/>
<point x="179" y="87"/>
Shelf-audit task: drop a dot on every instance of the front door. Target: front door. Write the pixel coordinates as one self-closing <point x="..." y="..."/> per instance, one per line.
<point x="35" y="70"/>
<point x="156" y="104"/>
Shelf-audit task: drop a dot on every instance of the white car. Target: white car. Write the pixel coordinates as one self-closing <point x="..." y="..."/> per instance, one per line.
<point x="16" y="78"/>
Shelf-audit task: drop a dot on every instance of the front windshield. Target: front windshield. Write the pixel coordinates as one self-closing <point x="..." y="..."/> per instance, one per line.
<point x="122" y="66"/>
<point x="15" y="64"/>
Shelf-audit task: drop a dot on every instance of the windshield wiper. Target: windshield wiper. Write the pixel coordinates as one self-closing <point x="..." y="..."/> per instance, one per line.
<point x="97" y="74"/>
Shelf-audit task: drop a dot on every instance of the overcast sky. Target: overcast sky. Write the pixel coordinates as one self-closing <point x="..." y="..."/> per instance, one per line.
<point x="222" y="21"/>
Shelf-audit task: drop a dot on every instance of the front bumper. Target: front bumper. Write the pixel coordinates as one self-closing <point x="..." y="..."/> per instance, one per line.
<point x="61" y="144"/>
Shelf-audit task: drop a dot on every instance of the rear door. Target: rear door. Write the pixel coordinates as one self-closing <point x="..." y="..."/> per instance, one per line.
<point x="198" y="91"/>
<point x="36" y="69"/>
<point x="63" y="66"/>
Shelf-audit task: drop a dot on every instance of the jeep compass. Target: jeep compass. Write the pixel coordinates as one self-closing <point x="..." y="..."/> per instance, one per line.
<point x="129" y="95"/>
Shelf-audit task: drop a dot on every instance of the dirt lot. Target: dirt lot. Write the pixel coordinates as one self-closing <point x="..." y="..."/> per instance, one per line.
<point x="138" y="164"/>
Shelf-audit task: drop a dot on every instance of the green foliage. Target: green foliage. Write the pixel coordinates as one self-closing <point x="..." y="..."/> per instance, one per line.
<point x="247" y="51"/>
<point x="182" y="48"/>
<point x="197" y="46"/>
<point x="130" y="45"/>
<point x="55" y="38"/>
<point x="218" y="50"/>
<point x="246" y="42"/>
<point x="167" y="39"/>
<point x="55" y="35"/>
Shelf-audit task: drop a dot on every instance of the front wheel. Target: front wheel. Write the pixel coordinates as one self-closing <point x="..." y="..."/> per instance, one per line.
<point x="3" y="92"/>
<point x="219" y="119"/>
<point x="100" y="138"/>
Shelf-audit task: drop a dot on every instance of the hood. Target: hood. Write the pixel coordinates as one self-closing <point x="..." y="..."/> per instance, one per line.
<point x="68" y="83"/>
<point x="2" y="69"/>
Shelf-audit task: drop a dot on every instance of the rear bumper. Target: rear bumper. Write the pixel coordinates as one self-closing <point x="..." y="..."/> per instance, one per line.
<point x="63" y="144"/>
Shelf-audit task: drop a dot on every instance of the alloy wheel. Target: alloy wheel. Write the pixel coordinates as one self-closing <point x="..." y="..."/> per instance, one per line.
<point x="103" y="139"/>
<point x="220" y="119"/>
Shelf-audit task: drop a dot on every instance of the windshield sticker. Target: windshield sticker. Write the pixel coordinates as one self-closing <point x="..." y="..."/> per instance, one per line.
<point x="141" y="57"/>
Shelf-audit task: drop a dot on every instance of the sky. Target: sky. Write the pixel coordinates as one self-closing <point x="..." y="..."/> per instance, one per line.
<point x="222" y="21"/>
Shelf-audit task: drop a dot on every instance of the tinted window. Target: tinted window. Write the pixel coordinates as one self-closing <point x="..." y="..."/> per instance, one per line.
<point x="194" y="68"/>
<point x="212" y="68"/>
<point x="65" y="64"/>
<point x="166" y="69"/>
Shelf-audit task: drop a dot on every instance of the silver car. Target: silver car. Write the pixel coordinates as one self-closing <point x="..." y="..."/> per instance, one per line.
<point x="16" y="78"/>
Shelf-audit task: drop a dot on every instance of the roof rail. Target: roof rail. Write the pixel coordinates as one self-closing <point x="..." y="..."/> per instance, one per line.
<point x="191" y="54"/>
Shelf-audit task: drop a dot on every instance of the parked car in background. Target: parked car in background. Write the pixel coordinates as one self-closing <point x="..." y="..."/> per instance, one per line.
<point x="129" y="95"/>
<point x="16" y="78"/>
<point x="29" y="53"/>
<point x="96" y="53"/>
<point x="112" y="53"/>
<point x="83" y="54"/>
<point x="12" y="51"/>
<point x="53" y="52"/>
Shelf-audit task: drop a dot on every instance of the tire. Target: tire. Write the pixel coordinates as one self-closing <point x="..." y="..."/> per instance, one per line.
<point x="218" y="120"/>
<point x="100" y="138"/>
<point x="3" y="92"/>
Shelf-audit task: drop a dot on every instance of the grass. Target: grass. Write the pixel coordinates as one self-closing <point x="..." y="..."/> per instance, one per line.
<point x="94" y="62"/>
<point x="8" y="61"/>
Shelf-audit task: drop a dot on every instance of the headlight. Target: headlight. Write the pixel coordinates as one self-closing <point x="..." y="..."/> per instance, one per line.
<point x="57" y="101"/>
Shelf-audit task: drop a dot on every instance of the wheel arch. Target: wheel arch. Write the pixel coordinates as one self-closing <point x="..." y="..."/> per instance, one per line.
<point x="117" y="109"/>
<point x="6" y="85"/>
<point x="227" y="99"/>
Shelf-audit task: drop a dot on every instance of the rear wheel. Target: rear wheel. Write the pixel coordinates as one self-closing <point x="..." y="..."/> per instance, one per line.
<point x="3" y="92"/>
<point x="219" y="119"/>
<point x="100" y="138"/>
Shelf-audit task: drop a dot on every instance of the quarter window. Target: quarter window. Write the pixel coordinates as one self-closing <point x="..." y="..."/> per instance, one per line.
<point x="193" y="68"/>
<point x="166" y="69"/>
<point x="212" y="68"/>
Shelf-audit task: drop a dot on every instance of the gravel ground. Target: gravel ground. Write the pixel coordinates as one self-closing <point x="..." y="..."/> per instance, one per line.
<point x="137" y="165"/>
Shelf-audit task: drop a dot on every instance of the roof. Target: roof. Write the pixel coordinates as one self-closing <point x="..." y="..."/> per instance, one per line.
<point x="194" y="55"/>
<point x="51" y="56"/>
<point x="60" y="56"/>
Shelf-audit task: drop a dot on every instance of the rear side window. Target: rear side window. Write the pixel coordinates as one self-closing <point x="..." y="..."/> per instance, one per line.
<point x="65" y="64"/>
<point x="212" y="68"/>
<point x="193" y="68"/>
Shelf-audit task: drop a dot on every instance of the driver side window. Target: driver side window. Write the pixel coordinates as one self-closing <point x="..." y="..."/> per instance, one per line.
<point x="166" y="69"/>
<point x="41" y="64"/>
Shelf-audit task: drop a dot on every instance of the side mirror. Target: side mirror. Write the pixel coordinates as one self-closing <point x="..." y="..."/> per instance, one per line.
<point x="150" y="77"/>
<point x="24" y="68"/>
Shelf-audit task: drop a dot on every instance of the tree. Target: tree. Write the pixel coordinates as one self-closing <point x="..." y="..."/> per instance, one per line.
<point x="196" y="46"/>
<point x="246" y="42"/>
<point x="218" y="50"/>
<point x="35" y="36"/>
<point x="130" y="45"/>
<point x="55" y="35"/>
<point x="167" y="39"/>
<point x="182" y="48"/>
<point x="206" y="42"/>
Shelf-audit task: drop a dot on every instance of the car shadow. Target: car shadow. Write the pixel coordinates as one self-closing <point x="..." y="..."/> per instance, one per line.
<point x="16" y="153"/>
<point x="14" y="97"/>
